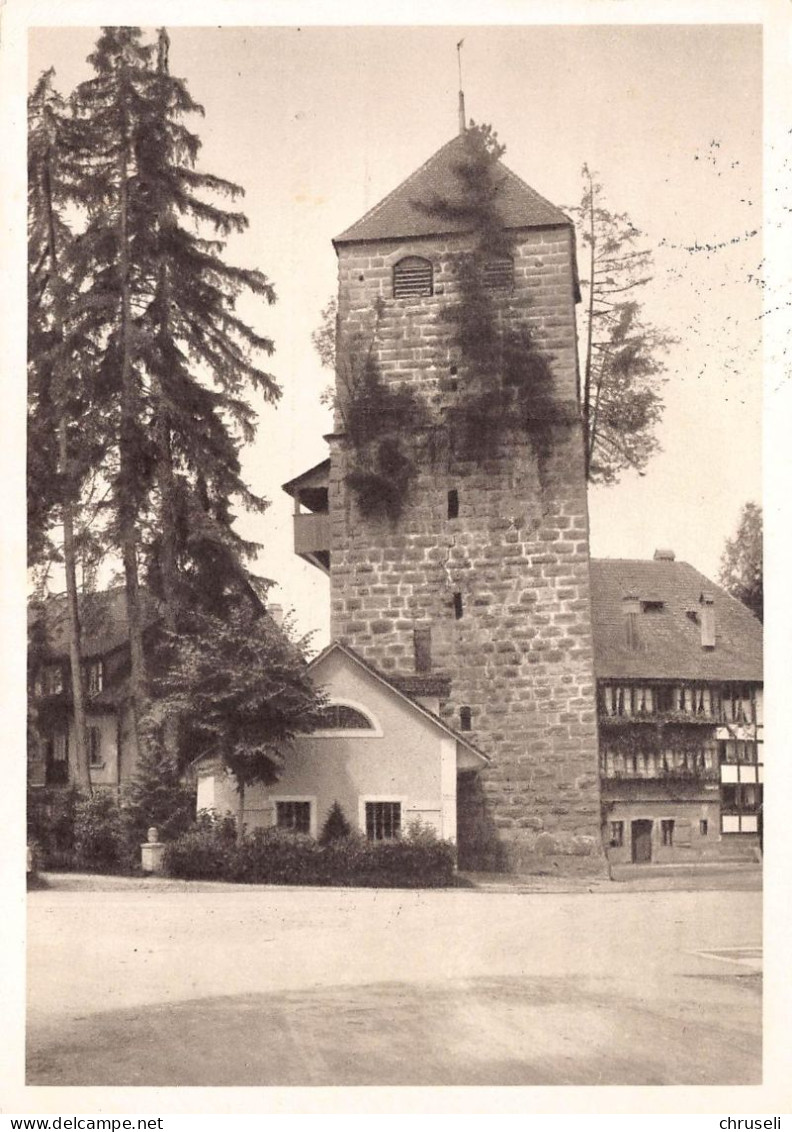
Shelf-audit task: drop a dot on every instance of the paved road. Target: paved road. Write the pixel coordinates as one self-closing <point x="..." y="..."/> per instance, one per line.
<point x="243" y="986"/>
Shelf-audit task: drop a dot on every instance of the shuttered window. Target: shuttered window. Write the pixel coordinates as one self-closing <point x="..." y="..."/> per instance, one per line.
<point x="499" y="272"/>
<point x="412" y="277"/>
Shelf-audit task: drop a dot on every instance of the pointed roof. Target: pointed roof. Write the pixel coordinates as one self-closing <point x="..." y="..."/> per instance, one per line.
<point x="397" y="216"/>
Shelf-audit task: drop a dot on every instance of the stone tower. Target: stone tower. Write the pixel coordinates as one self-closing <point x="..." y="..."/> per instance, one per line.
<point x="474" y="599"/>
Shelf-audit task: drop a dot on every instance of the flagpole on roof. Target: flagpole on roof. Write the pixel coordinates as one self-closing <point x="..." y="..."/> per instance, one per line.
<point x="461" y="92"/>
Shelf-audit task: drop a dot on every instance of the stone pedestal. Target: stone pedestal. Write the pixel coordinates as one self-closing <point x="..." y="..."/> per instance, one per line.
<point x="152" y="853"/>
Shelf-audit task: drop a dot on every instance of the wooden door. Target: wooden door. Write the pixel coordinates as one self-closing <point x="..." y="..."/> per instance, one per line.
<point x="641" y="841"/>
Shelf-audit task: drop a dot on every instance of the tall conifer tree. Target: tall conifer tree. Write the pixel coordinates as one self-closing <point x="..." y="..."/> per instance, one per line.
<point x="57" y="465"/>
<point x="160" y="299"/>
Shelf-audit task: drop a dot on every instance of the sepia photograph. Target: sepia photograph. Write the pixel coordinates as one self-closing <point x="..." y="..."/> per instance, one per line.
<point x="394" y="467"/>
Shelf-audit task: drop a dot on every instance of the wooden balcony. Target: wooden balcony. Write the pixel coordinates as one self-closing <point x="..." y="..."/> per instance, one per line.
<point x="312" y="539"/>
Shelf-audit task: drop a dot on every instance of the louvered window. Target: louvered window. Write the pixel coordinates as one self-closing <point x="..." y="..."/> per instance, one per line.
<point x="499" y="272"/>
<point x="412" y="277"/>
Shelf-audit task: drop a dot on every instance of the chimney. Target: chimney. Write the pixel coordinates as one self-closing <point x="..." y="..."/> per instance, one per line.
<point x="276" y="613"/>
<point x="707" y="603"/>
<point x="664" y="555"/>
<point x="632" y="607"/>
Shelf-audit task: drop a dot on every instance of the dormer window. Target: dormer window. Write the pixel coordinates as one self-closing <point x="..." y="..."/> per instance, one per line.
<point x="412" y="278"/>
<point x="498" y="272"/>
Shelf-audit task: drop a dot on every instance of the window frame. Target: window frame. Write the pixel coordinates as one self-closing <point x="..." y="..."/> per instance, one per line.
<point x="50" y="680"/>
<point x="299" y="799"/>
<point x="616" y="838"/>
<point x="95" y="759"/>
<point x="94" y="676"/>
<point x="373" y="732"/>
<point x="667" y="832"/>
<point x="366" y="800"/>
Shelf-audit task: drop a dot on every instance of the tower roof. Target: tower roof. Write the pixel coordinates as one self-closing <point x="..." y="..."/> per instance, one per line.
<point x="399" y="214"/>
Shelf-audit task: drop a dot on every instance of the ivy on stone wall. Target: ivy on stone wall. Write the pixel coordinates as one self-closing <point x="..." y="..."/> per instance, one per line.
<point x="505" y="378"/>
<point x="379" y="420"/>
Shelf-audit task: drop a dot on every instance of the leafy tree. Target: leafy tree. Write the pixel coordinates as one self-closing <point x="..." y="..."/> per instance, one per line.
<point x="242" y="684"/>
<point x="324" y="337"/>
<point x="741" y="570"/>
<point x="622" y="352"/>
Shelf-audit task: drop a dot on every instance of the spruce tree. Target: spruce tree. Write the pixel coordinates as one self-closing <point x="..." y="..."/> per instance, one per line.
<point x="156" y="291"/>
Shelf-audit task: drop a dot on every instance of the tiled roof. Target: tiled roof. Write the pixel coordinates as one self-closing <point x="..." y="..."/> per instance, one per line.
<point x="669" y="640"/>
<point x="102" y="618"/>
<point x="397" y="216"/>
<point x="420" y="684"/>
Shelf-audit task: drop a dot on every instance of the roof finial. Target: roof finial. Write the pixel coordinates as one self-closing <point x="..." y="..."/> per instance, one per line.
<point x="461" y="92"/>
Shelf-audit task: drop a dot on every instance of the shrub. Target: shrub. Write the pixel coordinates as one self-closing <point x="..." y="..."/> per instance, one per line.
<point x="203" y="853"/>
<point x="157" y="796"/>
<point x="50" y="824"/>
<point x="100" y="837"/>
<point x="270" y="856"/>
<point x="335" y="825"/>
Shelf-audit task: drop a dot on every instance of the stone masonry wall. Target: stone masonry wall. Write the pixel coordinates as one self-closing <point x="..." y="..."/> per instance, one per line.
<point x="519" y="650"/>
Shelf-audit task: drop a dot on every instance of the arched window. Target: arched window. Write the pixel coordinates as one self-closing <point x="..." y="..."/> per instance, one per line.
<point x="412" y="277"/>
<point x="499" y="272"/>
<point x="342" y="717"/>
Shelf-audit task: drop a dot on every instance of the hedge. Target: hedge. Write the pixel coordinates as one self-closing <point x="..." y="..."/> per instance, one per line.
<point x="270" y="856"/>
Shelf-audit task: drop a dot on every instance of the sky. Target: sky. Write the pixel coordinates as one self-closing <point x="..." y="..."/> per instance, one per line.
<point x="319" y="123"/>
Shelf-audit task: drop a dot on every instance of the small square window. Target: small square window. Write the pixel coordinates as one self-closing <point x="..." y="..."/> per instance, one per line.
<point x="667" y="831"/>
<point x="616" y="834"/>
<point x="383" y="821"/>
<point x="294" y="817"/>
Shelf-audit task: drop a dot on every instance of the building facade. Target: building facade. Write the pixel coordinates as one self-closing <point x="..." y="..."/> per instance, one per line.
<point x="385" y="758"/>
<point x="680" y="705"/>
<point x="105" y="650"/>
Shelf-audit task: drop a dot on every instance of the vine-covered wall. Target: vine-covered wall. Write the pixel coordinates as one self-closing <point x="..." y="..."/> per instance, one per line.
<point x="500" y="579"/>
